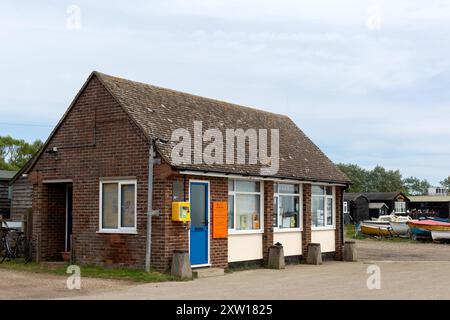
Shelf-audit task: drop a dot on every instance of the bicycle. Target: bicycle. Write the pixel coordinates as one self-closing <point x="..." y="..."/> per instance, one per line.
<point x="14" y="244"/>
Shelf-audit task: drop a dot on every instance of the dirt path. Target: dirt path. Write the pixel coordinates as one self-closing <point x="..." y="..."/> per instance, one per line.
<point x="398" y="263"/>
<point x="28" y="285"/>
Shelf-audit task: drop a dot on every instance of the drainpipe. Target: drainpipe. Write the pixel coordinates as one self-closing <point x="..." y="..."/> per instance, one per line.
<point x="148" y="253"/>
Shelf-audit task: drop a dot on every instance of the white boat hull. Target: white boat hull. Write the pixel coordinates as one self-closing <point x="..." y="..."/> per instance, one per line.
<point x="400" y="228"/>
<point x="440" y="234"/>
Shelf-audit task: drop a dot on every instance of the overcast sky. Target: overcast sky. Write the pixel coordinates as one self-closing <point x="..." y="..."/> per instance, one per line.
<point x="368" y="81"/>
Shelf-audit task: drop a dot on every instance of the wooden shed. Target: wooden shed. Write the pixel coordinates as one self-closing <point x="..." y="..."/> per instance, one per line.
<point x="5" y="195"/>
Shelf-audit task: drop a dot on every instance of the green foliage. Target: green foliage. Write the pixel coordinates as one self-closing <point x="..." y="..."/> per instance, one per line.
<point x="358" y="176"/>
<point x="14" y="153"/>
<point x="416" y="187"/>
<point x="381" y="180"/>
<point x="446" y="182"/>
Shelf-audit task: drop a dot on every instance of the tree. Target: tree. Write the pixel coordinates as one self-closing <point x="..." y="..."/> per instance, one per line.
<point x="382" y="180"/>
<point x="14" y="153"/>
<point x="357" y="175"/>
<point x="416" y="187"/>
<point x="446" y="182"/>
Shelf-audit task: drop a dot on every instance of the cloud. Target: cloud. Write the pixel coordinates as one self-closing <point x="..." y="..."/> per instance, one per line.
<point x="372" y="96"/>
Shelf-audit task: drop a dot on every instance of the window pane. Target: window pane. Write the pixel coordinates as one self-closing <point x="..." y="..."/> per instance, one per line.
<point x="288" y="188"/>
<point x="318" y="190"/>
<point x="318" y="211"/>
<point x="230" y="185"/>
<point x="247" y="212"/>
<point x="329" y="191"/>
<point x="329" y="211"/>
<point x="198" y="205"/>
<point x="247" y="186"/>
<point x="110" y="203"/>
<point x="127" y="206"/>
<point x="177" y="191"/>
<point x="289" y="212"/>
<point x="230" y="212"/>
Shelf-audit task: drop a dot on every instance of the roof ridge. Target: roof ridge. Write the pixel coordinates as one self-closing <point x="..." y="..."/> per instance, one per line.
<point x="101" y="74"/>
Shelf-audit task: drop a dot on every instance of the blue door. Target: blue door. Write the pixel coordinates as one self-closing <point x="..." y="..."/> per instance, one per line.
<point x="198" y="197"/>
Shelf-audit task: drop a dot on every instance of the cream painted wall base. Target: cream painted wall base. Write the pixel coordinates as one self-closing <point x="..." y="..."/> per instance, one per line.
<point x="326" y="238"/>
<point x="245" y="247"/>
<point x="291" y="241"/>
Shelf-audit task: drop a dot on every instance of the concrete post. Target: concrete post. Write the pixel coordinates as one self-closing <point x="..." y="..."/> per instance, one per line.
<point x="276" y="257"/>
<point x="350" y="253"/>
<point x="314" y="254"/>
<point x="181" y="266"/>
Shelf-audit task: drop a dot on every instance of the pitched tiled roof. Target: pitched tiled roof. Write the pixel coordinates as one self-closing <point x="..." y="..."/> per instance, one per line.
<point x="159" y="111"/>
<point x="375" y="196"/>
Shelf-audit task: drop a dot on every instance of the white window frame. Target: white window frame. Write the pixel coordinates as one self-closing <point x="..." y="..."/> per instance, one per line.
<point x="119" y="229"/>
<point x="325" y="196"/>
<point x="261" y="198"/>
<point x="277" y="195"/>
<point x="403" y="206"/>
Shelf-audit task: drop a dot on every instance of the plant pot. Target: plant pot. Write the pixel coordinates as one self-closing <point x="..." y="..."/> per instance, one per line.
<point x="65" y="256"/>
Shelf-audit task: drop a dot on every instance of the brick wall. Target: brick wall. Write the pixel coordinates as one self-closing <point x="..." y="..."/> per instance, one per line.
<point x="307" y="218"/>
<point x="268" y="219"/>
<point x="338" y="234"/>
<point x="96" y="140"/>
<point x="176" y="234"/>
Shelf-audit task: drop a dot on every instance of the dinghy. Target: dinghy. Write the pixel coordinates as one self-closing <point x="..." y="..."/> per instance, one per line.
<point x="440" y="234"/>
<point x="378" y="228"/>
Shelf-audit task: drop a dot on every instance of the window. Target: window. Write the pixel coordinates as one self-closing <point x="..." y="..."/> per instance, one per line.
<point x="244" y="205"/>
<point x="10" y="192"/>
<point x="118" y="206"/>
<point x="400" y="207"/>
<point x="287" y="205"/>
<point x="345" y="207"/>
<point x="322" y="206"/>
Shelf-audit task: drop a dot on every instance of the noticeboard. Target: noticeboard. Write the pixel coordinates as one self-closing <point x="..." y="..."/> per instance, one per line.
<point x="220" y="220"/>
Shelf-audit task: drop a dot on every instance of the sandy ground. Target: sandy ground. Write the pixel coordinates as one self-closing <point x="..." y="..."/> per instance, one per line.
<point x="408" y="271"/>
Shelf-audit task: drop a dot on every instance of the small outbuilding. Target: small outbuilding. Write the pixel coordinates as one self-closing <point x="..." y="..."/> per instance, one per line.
<point x="438" y="205"/>
<point x="356" y="208"/>
<point x="5" y="192"/>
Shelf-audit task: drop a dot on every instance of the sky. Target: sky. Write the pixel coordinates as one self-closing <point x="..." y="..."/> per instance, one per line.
<point x="367" y="81"/>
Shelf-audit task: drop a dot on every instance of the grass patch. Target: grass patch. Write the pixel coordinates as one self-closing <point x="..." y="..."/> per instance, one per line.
<point x="135" y="275"/>
<point x="350" y="233"/>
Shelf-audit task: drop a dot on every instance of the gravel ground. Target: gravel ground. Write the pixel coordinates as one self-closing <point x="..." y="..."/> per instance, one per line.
<point x="402" y="251"/>
<point x="28" y="285"/>
<point x="408" y="271"/>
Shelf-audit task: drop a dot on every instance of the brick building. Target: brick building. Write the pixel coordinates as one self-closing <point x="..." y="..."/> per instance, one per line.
<point x="90" y="180"/>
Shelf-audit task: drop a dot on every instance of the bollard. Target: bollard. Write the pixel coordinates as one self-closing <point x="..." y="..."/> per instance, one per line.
<point x="314" y="254"/>
<point x="181" y="266"/>
<point x="350" y="251"/>
<point x="276" y="257"/>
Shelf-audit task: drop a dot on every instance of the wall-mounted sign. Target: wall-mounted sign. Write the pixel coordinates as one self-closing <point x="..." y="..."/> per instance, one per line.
<point x="220" y="219"/>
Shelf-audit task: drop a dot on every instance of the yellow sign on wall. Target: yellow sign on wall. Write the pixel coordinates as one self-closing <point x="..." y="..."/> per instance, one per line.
<point x="220" y="219"/>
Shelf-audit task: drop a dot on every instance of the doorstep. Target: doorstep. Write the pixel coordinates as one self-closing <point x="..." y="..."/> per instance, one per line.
<point x="207" y="272"/>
